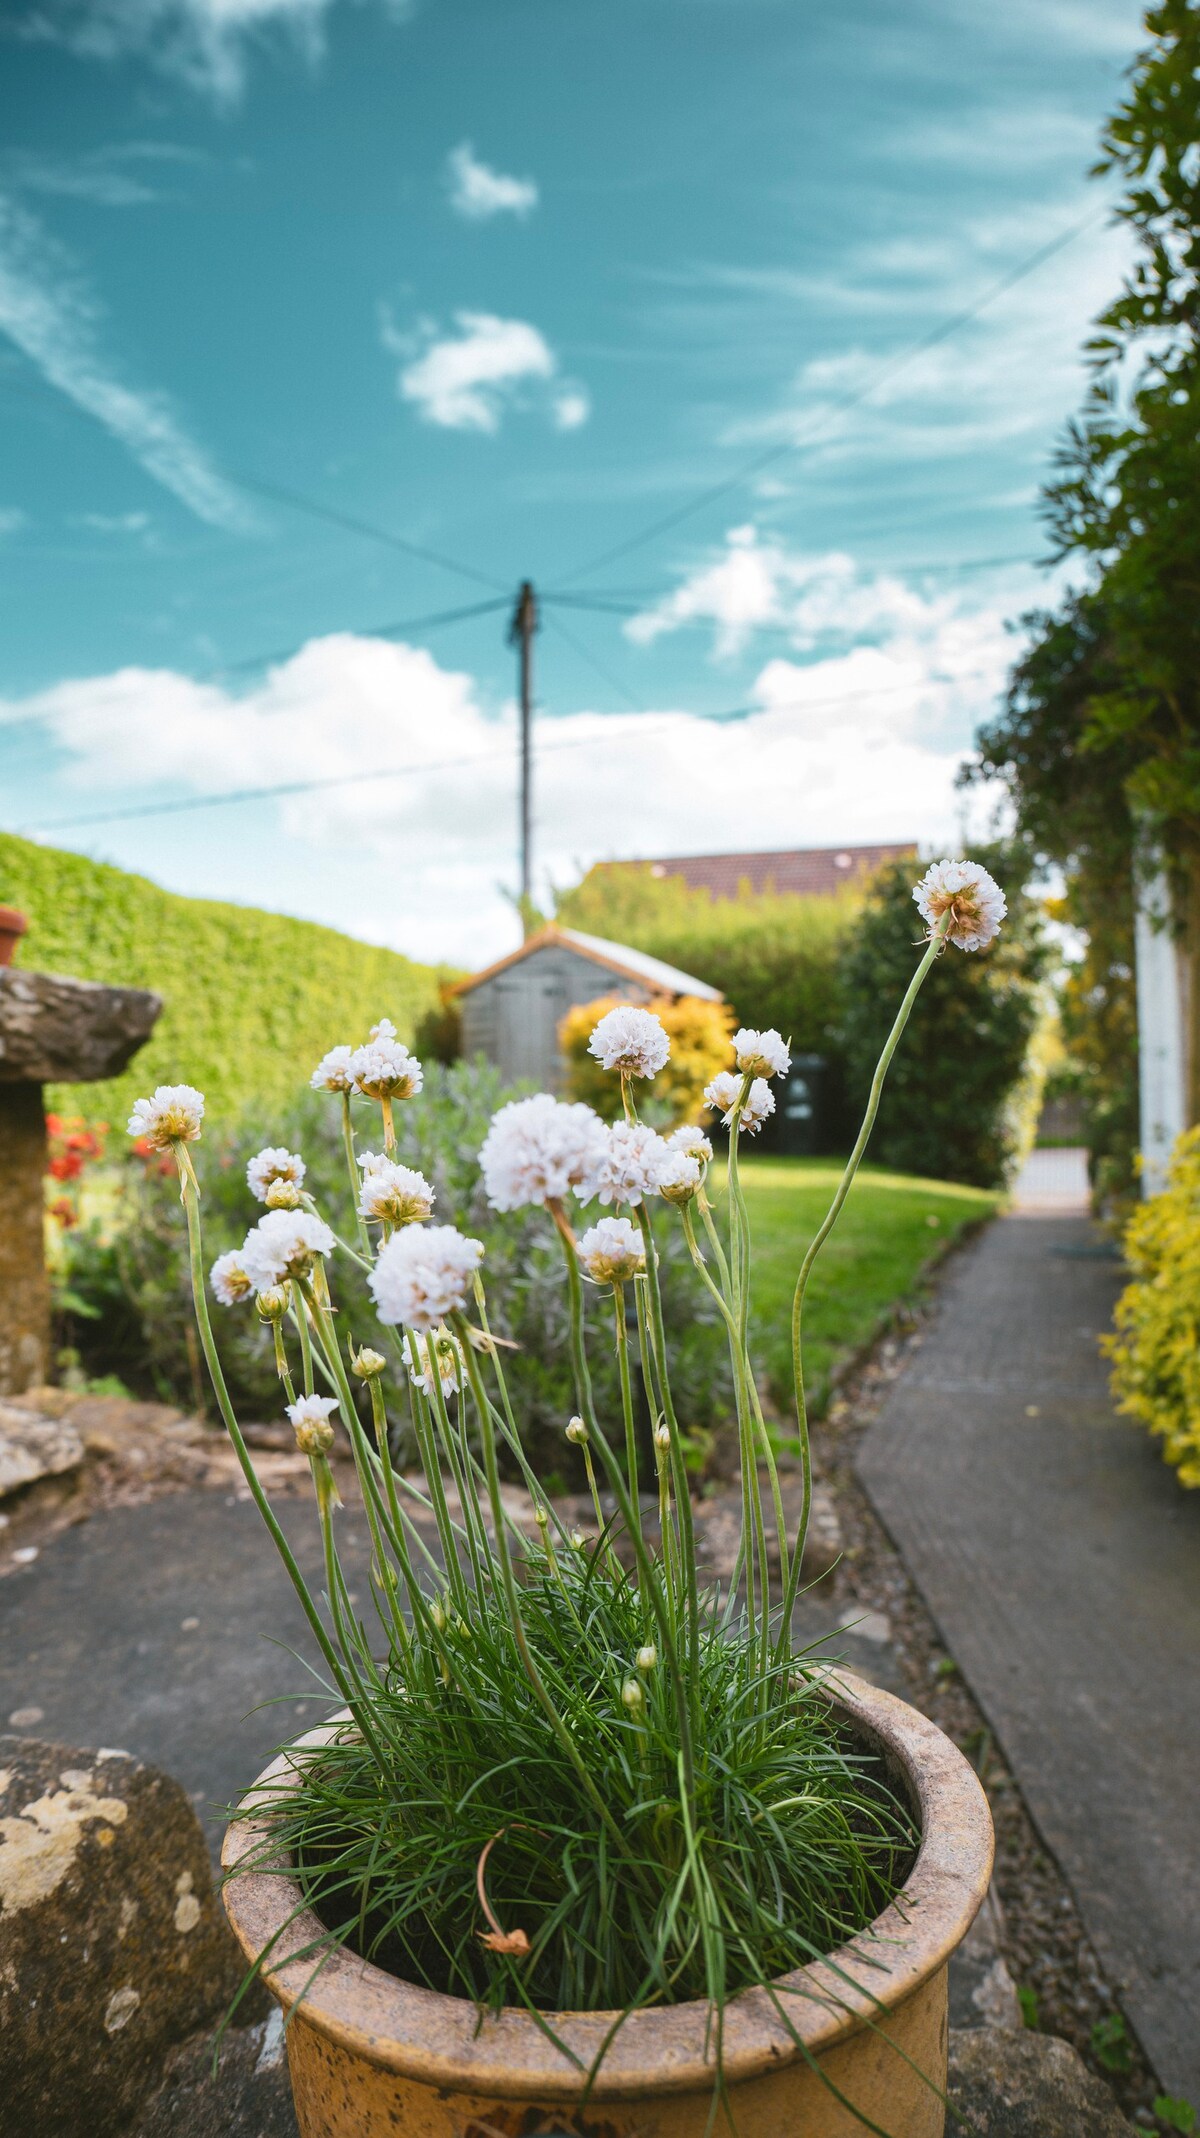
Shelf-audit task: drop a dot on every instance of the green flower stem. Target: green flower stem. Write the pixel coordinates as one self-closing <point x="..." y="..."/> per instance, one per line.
<point x="756" y="1558"/>
<point x="263" y="1504"/>
<point x="331" y="1354"/>
<point x="631" y="1461"/>
<point x="671" y="1552"/>
<point x="683" y="1502"/>
<point x="509" y="1586"/>
<point x="935" y="946"/>
<point x="300" y="1317"/>
<point x="579" y="1365"/>
<point x="472" y="1520"/>
<point x="281" y="1359"/>
<point x="427" y="1446"/>
<point x="389" y="1128"/>
<point x="354" y="1175"/>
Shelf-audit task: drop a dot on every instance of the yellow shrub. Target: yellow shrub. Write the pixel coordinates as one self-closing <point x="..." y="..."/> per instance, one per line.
<point x="699" y="1033"/>
<point x="1156" y="1349"/>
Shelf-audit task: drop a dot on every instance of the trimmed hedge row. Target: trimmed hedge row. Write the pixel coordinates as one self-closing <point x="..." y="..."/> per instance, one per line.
<point x="251" y="999"/>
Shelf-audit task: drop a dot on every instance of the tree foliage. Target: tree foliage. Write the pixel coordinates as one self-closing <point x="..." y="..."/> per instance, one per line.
<point x="951" y="1106"/>
<point x="1099" y="742"/>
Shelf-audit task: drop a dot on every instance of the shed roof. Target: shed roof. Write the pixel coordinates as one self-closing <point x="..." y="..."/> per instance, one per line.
<point x="618" y="958"/>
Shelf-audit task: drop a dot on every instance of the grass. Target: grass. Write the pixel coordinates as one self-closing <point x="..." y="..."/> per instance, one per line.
<point x="893" y="1227"/>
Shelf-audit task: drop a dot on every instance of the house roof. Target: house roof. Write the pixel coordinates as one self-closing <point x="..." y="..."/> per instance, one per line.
<point x="818" y="871"/>
<point x="618" y="958"/>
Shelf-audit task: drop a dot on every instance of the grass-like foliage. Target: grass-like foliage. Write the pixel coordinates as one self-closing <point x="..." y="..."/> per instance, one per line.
<point x="798" y="1836"/>
<point x="633" y="1780"/>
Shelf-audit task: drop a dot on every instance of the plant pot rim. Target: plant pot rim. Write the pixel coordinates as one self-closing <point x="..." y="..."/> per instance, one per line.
<point x="13" y="921"/>
<point x="441" y="2041"/>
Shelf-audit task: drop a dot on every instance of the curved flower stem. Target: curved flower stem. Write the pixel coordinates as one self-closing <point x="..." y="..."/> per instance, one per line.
<point x="935" y="946"/>
<point x="281" y="1359"/>
<point x="263" y="1504"/>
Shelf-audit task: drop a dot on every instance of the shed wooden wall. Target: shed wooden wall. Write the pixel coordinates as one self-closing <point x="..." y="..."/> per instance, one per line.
<point x="513" y="1017"/>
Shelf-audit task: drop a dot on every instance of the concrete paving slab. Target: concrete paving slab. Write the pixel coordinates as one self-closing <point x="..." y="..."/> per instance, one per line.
<point x="1061" y="1561"/>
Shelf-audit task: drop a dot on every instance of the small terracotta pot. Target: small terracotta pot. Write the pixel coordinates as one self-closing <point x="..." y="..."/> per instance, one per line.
<point x="13" y="926"/>
<point x="370" y="2054"/>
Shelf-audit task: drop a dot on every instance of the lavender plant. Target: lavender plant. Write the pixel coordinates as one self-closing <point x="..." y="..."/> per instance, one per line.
<point x="634" y="1778"/>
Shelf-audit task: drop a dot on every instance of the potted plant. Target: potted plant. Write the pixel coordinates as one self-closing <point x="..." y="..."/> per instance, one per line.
<point x="586" y="1846"/>
<point x="13" y="926"/>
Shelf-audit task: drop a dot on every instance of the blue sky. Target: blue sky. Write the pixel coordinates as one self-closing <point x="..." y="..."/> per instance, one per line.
<point x="515" y="281"/>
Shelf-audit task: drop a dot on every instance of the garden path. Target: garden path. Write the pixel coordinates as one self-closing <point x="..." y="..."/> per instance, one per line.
<point x="1061" y="1562"/>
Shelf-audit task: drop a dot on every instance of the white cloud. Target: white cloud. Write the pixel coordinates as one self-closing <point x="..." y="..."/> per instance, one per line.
<point x="202" y="41"/>
<point x="49" y="314"/>
<point x="115" y="522"/>
<point x="12" y="519"/>
<point x="478" y="192"/>
<point x="846" y="749"/>
<point x="465" y="381"/>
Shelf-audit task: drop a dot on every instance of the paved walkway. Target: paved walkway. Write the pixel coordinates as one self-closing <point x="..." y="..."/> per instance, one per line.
<point x="1061" y="1562"/>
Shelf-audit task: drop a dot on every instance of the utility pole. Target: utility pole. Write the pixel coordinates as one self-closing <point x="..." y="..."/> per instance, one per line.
<point x="520" y="634"/>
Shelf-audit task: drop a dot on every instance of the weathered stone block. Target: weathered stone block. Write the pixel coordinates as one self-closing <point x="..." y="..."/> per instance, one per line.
<point x="33" y="1446"/>
<point x="59" y="1031"/>
<point x="1028" y="2086"/>
<point x="24" y="1285"/>
<point x="112" y="1944"/>
<point x="248" y="2095"/>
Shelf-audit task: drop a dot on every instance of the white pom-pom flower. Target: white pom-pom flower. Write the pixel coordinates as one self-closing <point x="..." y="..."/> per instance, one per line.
<point x="273" y="1164"/>
<point x="310" y="1417"/>
<point x="384" y="1068"/>
<point x="333" y="1072"/>
<point x="172" y="1114"/>
<point x="612" y="1251"/>
<point x="761" y="1053"/>
<point x="538" y="1150"/>
<point x="283" y="1244"/>
<point x="971" y="897"/>
<point x="679" y="1177"/>
<point x="630" y="1040"/>
<point x="440" y="1358"/>
<point x="394" y="1194"/>
<point x="693" y="1141"/>
<point x="423" y="1274"/>
<point x="229" y="1280"/>
<point x="724" y="1092"/>
<point x="630" y="1165"/>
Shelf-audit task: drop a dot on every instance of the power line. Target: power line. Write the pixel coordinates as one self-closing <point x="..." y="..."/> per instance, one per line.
<point x="285" y="788"/>
<point x="318" y="511"/>
<point x="770" y="454"/>
<point x="594" y="662"/>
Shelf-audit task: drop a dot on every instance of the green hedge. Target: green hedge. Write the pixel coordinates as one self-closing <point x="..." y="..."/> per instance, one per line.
<point x="251" y="999"/>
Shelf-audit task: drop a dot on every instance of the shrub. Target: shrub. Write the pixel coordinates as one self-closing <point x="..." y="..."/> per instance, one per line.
<point x="129" y="1281"/>
<point x="699" y="1033"/>
<point x="775" y="956"/>
<point x="957" y="1097"/>
<point x="1156" y="1347"/>
<point x="231" y="1023"/>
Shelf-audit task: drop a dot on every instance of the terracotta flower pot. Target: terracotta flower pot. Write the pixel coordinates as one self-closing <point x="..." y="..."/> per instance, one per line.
<point x="13" y="926"/>
<point x="370" y="2054"/>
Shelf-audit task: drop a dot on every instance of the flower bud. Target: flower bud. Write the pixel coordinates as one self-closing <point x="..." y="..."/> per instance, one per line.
<point x="541" y="1516"/>
<point x="632" y="1695"/>
<point x="578" y="1539"/>
<point x="462" y="1629"/>
<point x="437" y="1614"/>
<point x="662" y="1437"/>
<point x="282" y="1195"/>
<point x="577" y="1433"/>
<point x="368" y="1365"/>
<point x="314" y="1436"/>
<point x="274" y="1302"/>
<point x="647" y="1657"/>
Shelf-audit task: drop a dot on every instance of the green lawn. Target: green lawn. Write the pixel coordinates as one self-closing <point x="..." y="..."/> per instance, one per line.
<point x="892" y="1228"/>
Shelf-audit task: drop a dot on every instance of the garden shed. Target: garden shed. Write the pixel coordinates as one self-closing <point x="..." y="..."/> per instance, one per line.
<point x="511" y="1011"/>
